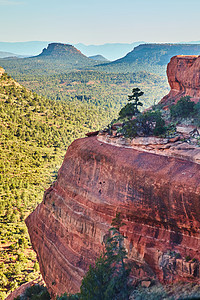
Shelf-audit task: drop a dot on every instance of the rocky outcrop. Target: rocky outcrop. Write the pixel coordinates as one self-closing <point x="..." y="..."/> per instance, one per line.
<point x="171" y="147"/>
<point x="62" y="51"/>
<point x="1" y="71"/>
<point x="158" y="197"/>
<point x="183" y="74"/>
<point x="64" y="54"/>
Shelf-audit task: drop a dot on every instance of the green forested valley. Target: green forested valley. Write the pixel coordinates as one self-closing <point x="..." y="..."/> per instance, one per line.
<point x="34" y="135"/>
<point x="107" y="90"/>
<point x="39" y="118"/>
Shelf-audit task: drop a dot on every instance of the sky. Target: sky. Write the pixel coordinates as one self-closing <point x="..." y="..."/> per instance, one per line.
<point x="99" y="22"/>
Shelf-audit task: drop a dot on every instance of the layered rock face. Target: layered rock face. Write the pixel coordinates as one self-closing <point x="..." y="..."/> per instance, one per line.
<point x="158" y="197"/>
<point x="183" y="74"/>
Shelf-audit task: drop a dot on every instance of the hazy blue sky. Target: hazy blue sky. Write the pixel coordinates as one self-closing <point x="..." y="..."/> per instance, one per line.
<point x="98" y="22"/>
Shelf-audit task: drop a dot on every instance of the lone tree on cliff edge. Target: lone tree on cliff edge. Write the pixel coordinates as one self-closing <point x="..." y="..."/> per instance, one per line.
<point x="136" y="93"/>
<point x="131" y="109"/>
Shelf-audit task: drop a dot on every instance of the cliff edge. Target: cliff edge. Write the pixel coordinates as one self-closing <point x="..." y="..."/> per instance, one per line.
<point x="158" y="196"/>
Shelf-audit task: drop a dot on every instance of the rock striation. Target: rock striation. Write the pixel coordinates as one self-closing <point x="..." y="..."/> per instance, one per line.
<point x="158" y="197"/>
<point x="183" y="74"/>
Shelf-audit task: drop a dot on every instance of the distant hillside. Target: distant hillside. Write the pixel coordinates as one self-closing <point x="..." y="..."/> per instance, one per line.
<point x="56" y="58"/>
<point x="111" y="51"/>
<point x="65" y="52"/>
<point x="60" y="58"/>
<point x="6" y="54"/>
<point x="99" y="58"/>
<point x="158" y="53"/>
<point x="23" y="48"/>
<point x="58" y="50"/>
<point x="152" y="57"/>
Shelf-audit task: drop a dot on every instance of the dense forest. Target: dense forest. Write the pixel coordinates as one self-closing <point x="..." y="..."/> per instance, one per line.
<point x="108" y="90"/>
<point x="34" y="135"/>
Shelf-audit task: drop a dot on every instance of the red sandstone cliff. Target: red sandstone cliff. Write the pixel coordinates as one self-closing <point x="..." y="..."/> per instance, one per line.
<point x="158" y="196"/>
<point x="183" y="74"/>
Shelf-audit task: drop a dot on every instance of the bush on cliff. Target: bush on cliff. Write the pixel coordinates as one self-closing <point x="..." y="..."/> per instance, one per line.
<point x="146" y="124"/>
<point x="140" y="124"/>
<point x="183" y="109"/>
<point x="197" y="110"/>
<point x="108" y="279"/>
<point x="35" y="292"/>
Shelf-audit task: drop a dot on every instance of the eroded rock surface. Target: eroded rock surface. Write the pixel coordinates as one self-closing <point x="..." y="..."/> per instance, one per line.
<point x="183" y="74"/>
<point x="158" y="196"/>
<point x="161" y="146"/>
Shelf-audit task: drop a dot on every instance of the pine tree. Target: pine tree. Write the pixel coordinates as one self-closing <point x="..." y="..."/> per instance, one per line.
<point x="108" y="278"/>
<point x="131" y="109"/>
<point x="136" y="93"/>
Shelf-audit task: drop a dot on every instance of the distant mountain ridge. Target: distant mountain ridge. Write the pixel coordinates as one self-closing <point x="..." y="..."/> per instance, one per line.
<point x="152" y="58"/>
<point x="7" y="54"/>
<point x="111" y="51"/>
<point x="24" y="48"/>
<point x="99" y="57"/>
<point x="56" y="58"/>
<point x="158" y="53"/>
<point x="59" y="57"/>
<point x="65" y="54"/>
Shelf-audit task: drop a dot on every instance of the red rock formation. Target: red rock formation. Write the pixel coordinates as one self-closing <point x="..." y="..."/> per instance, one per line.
<point x="158" y="196"/>
<point x="183" y="74"/>
<point x="2" y="71"/>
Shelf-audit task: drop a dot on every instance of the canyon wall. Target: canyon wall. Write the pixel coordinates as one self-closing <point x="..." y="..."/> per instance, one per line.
<point x="158" y="197"/>
<point x="183" y="74"/>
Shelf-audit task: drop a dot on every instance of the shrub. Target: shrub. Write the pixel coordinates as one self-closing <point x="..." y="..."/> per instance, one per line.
<point x="128" y="111"/>
<point x="35" y="292"/>
<point x="151" y="123"/>
<point x="187" y="258"/>
<point x="130" y="129"/>
<point x="197" y="111"/>
<point x="146" y="124"/>
<point x="183" y="109"/>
